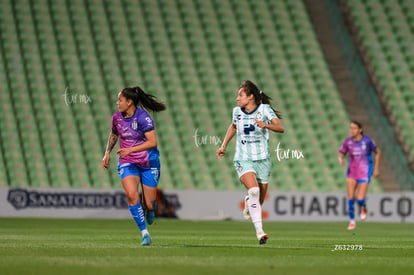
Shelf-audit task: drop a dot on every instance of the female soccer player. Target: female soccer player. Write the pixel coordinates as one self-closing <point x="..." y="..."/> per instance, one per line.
<point x="359" y="148"/>
<point x="252" y="120"/>
<point x="138" y="153"/>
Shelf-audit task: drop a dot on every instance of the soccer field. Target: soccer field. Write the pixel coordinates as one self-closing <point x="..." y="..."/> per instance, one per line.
<point x="57" y="246"/>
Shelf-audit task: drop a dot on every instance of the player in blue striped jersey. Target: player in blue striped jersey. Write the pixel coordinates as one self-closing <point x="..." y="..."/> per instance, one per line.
<point x="251" y="122"/>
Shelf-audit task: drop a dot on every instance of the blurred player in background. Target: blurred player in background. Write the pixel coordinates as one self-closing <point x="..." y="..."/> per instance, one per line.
<point x="360" y="168"/>
<point x="138" y="154"/>
<point x="252" y="120"/>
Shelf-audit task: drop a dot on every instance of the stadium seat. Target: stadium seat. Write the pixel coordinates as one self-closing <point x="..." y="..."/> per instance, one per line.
<point x="191" y="54"/>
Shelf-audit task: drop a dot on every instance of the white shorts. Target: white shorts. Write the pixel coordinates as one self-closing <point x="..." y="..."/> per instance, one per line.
<point x="260" y="167"/>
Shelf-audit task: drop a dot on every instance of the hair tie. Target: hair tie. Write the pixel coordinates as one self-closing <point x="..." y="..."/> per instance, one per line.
<point x="260" y="92"/>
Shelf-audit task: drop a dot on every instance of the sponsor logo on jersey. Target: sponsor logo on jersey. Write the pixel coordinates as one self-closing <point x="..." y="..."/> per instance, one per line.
<point x="249" y="140"/>
<point x="248" y="128"/>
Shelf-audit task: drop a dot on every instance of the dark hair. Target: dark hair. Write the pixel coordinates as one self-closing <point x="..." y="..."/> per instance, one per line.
<point x="259" y="97"/>
<point x="359" y="124"/>
<point x="140" y="98"/>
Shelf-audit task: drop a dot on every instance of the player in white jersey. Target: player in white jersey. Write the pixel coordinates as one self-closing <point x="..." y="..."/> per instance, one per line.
<point x="252" y="120"/>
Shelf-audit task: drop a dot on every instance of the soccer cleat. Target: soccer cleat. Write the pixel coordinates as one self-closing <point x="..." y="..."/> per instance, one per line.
<point x="262" y="238"/>
<point x="351" y="226"/>
<point x="150" y="215"/>
<point x="363" y="214"/>
<point x="146" y="240"/>
<point x="246" y="213"/>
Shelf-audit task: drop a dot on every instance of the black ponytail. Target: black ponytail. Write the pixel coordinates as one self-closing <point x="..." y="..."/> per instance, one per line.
<point x="140" y="98"/>
<point x="259" y="96"/>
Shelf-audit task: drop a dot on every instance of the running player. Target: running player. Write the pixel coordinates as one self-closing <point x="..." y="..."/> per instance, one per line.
<point x="138" y="153"/>
<point x="360" y="168"/>
<point x="252" y="120"/>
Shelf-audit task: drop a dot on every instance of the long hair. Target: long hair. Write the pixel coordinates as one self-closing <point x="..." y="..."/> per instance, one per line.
<point x="359" y="124"/>
<point x="140" y="98"/>
<point x="259" y="96"/>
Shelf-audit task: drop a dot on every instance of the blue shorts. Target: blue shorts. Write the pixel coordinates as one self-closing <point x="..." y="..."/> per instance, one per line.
<point x="149" y="175"/>
<point x="363" y="181"/>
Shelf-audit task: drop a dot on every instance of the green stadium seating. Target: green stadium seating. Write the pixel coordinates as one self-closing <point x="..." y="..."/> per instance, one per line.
<point x="384" y="29"/>
<point x="193" y="56"/>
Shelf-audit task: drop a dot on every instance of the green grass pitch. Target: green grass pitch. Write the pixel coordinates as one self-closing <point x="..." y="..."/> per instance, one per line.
<point x="95" y="246"/>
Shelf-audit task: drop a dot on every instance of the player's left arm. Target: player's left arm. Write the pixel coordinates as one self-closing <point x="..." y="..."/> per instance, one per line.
<point x="150" y="143"/>
<point x="274" y="125"/>
<point x="376" y="172"/>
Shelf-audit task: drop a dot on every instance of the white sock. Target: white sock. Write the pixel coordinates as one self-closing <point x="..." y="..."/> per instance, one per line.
<point x="143" y="232"/>
<point x="255" y="209"/>
<point x="246" y="200"/>
<point x="258" y="227"/>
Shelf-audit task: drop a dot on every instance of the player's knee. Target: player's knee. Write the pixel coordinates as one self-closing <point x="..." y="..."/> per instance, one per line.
<point x="132" y="198"/>
<point x="254" y="194"/>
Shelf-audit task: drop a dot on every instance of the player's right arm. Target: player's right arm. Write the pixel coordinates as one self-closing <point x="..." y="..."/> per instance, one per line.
<point x="113" y="138"/>
<point x="231" y="131"/>
<point x="342" y="152"/>
<point x="341" y="159"/>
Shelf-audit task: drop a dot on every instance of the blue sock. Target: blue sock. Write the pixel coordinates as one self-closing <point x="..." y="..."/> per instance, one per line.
<point x="362" y="203"/>
<point x="137" y="214"/>
<point x="351" y="212"/>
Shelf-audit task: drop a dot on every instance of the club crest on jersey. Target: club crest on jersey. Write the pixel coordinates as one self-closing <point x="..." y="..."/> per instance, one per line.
<point x="134" y="125"/>
<point x="363" y="146"/>
<point x="259" y="116"/>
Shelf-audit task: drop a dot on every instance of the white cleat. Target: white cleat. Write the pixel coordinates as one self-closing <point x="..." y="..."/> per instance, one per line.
<point x="363" y="214"/>
<point x="351" y="226"/>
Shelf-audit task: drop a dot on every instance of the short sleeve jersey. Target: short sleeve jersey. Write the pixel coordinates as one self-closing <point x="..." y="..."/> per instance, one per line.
<point x="131" y="132"/>
<point x="360" y="156"/>
<point x="251" y="140"/>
